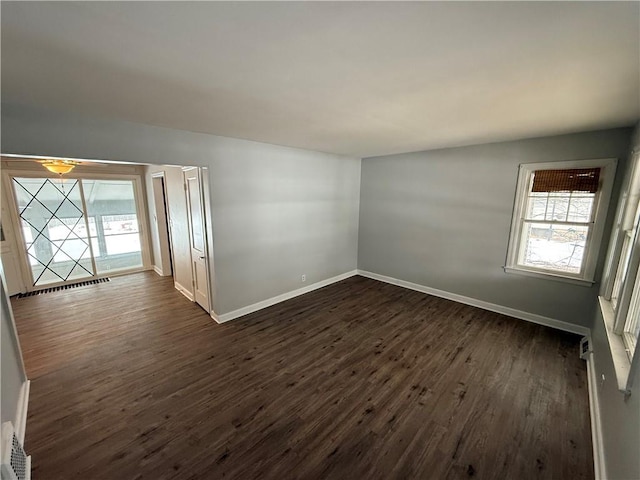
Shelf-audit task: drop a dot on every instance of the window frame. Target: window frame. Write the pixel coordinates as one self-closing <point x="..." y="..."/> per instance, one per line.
<point x="596" y="227"/>
<point x="616" y="315"/>
<point x="34" y="171"/>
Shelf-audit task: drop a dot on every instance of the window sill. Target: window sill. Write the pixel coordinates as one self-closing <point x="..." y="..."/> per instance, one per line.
<point x="621" y="363"/>
<point x="549" y="276"/>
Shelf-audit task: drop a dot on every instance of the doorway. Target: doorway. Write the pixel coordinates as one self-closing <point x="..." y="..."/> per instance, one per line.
<point x="161" y="218"/>
<point x="197" y="236"/>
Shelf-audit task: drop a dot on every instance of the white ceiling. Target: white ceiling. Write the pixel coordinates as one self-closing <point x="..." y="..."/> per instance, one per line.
<point x="361" y="78"/>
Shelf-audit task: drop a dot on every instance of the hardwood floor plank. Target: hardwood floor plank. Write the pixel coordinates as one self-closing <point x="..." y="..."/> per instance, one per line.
<point x="359" y="379"/>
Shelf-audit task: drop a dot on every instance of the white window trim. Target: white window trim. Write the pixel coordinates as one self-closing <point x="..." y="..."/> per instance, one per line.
<point x="607" y="175"/>
<point x="621" y="363"/>
<point x="615" y="319"/>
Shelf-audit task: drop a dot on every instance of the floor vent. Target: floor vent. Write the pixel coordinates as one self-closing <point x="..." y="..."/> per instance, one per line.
<point x="63" y="287"/>
<point x="16" y="465"/>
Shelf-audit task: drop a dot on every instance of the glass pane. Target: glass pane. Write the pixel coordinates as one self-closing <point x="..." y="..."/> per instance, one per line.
<point x="632" y="324"/>
<point x="71" y="248"/>
<point x="63" y="228"/>
<point x="580" y="209"/>
<point x="50" y="213"/>
<point x="558" y="207"/>
<point x="621" y="270"/>
<point x="117" y="244"/>
<point x="96" y="246"/>
<point x="553" y="247"/>
<point x="537" y="207"/>
<point x="114" y="226"/>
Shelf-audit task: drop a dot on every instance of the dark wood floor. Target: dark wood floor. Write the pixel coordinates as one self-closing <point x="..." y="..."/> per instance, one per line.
<point x="358" y="380"/>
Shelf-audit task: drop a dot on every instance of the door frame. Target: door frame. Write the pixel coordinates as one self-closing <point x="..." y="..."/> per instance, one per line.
<point x="205" y="230"/>
<point x="208" y="219"/>
<point x="165" y="249"/>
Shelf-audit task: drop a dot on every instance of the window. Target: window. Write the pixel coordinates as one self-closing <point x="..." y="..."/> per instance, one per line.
<point x="630" y="323"/>
<point x="622" y="286"/>
<point x="78" y="228"/>
<point x="113" y="218"/>
<point x="558" y="218"/>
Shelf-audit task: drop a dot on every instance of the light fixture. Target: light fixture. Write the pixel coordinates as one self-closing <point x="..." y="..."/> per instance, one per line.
<point x="59" y="166"/>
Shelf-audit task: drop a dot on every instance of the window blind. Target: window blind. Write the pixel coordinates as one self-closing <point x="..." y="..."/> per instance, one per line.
<point x="574" y="180"/>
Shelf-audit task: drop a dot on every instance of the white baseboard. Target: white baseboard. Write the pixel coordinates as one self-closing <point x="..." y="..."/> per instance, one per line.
<point x="492" y="307"/>
<point x="225" y="317"/>
<point x="599" y="466"/>
<point x="596" y="429"/>
<point x="20" y="424"/>
<point x="160" y="272"/>
<point x="184" y="291"/>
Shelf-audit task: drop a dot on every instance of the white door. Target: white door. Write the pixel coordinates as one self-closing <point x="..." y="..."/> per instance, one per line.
<point x="197" y="237"/>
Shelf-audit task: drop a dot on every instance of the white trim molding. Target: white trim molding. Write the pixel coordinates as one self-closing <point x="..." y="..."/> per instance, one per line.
<point x="548" y="276"/>
<point x="492" y="307"/>
<point x="225" y="317"/>
<point x="184" y="291"/>
<point x="599" y="467"/>
<point x="160" y="272"/>
<point x="621" y="364"/>
<point x="20" y="424"/>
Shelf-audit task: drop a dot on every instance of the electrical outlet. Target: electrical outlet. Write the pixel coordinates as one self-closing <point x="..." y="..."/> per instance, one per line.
<point x="304" y="278"/>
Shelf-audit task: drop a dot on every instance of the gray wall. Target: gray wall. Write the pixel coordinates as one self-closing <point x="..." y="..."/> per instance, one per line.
<point x="281" y="214"/>
<point x="277" y="212"/>
<point x="12" y="371"/>
<point x="441" y="219"/>
<point x="620" y="415"/>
